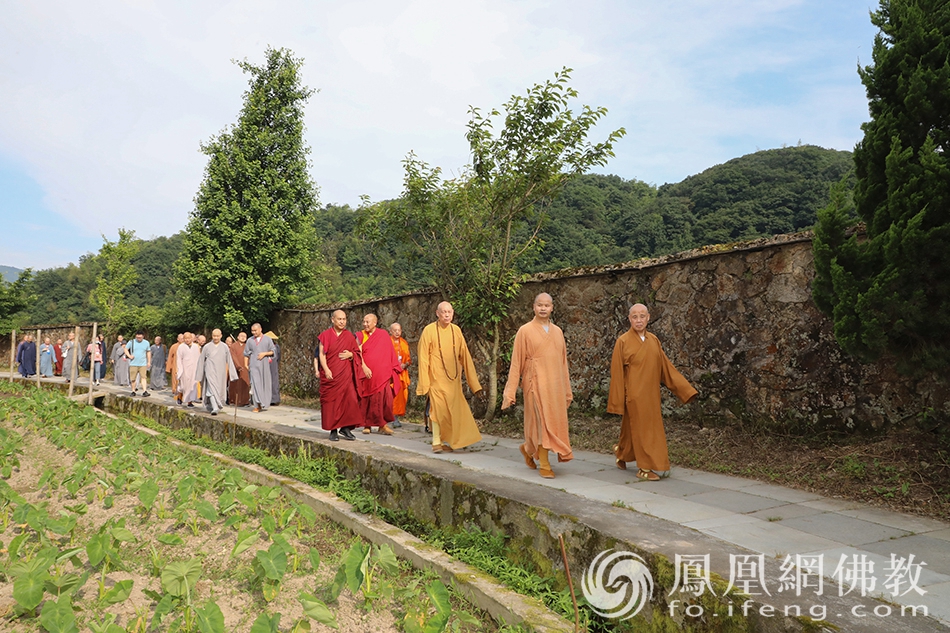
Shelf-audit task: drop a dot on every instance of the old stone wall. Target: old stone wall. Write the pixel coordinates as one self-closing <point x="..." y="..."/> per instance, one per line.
<point x="738" y="320"/>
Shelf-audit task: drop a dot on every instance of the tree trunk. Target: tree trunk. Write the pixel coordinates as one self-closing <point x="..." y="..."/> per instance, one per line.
<point x="493" y="374"/>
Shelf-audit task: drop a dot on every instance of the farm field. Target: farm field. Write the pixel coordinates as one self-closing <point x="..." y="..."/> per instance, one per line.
<point x="106" y="529"/>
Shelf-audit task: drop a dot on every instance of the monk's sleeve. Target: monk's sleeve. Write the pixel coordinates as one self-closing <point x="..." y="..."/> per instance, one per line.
<point x="179" y="366"/>
<point x="422" y="388"/>
<point x="674" y="380"/>
<point x="616" y="398"/>
<point x="567" y="373"/>
<point x="232" y="368"/>
<point x="407" y="355"/>
<point x="202" y="358"/>
<point x="514" y="370"/>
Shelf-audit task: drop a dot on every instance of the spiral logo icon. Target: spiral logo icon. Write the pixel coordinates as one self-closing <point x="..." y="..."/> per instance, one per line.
<point x="617" y="584"/>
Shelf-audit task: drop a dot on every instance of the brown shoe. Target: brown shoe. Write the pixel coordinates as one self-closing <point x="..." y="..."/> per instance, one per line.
<point x="647" y="475"/>
<point x="385" y="430"/>
<point x="527" y="458"/>
<point x="547" y="473"/>
<point x="622" y="465"/>
<point x="447" y="448"/>
<point x="436" y="448"/>
<point x="255" y="409"/>
<point x="367" y="430"/>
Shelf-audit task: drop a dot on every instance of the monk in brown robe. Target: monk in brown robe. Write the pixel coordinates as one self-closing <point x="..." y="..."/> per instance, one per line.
<point x="377" y="371"/>
<point x="171" y="365"/>
<point x="405" y="359"/>
<point x="637" y="368"/>
<point x="443" y="356"/>
<point x="339" y="404"/>
<point x="239" y="391"/>
<point x="539" y="361"/>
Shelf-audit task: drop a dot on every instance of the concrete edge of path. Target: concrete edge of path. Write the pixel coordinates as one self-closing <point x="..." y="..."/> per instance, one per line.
<point x="504" y="605"/>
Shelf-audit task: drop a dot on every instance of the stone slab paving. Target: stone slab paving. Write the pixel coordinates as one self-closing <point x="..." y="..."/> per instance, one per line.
<point x="764" y="518"/>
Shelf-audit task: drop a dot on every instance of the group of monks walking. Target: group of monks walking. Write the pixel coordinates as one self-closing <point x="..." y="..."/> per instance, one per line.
<point x="364" y="380"/>
<point x="238" y="371"/>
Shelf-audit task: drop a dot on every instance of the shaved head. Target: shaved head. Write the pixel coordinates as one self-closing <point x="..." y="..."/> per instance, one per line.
<point x="337" y="313"/>
<point x="369" y="323"/>
<point x="445" y="312"/>
<point x="639" y="316"/>
<point x="543" y="296"/>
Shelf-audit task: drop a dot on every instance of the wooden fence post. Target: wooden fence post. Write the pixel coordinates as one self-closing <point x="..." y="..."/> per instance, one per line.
<point x="92" y="360"/>
<point x="74" y="365"/>
<point x="37" y="359"/>
<point x="12" y="352"/>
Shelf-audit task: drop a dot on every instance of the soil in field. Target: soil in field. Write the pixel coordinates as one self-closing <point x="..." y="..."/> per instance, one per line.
<point x="228" y="579"/>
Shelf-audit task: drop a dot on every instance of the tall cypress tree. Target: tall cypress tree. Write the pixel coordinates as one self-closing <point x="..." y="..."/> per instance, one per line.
<point x="250" y="242"/>
<point x="889" y="290"/>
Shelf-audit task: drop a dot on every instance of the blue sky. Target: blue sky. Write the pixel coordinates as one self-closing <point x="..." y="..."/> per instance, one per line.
<point x="105" y="104"/>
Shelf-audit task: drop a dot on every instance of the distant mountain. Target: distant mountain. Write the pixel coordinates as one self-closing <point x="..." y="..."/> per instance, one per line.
<point x="9" y="273"/>
<point x="605" y="219"/>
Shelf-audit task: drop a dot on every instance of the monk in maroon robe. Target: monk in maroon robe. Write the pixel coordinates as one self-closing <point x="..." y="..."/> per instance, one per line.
<point x="58" y="353"/>
<point x="377" y="378"/>
<point x="339" y="404"/>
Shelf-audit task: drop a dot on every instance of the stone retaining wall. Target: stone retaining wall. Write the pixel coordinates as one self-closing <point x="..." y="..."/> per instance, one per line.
<point x="738" y="320"/>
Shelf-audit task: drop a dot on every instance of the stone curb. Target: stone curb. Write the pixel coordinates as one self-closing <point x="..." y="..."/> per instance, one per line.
<point x="504" y="605"/>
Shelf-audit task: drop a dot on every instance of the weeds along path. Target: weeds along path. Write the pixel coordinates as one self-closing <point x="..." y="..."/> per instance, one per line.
<point x="110" y="530"/>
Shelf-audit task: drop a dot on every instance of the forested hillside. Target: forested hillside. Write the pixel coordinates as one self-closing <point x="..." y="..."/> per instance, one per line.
<point x="596" y="220"/>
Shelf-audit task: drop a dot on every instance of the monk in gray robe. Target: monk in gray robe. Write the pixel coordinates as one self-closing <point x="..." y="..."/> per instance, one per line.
<point x="69" y="353"/>
<point x="156" y="375"/>
<point x="258" y="353"/>
<point x="120" y="362"/>
<point x="274" y="372"/>
<point x="215" y="370"/>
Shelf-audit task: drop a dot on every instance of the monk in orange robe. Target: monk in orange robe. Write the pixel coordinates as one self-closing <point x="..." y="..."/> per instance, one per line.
<point x="171" y="365"/>
<point x="443" y="356"/>
<point x="405" y="359"/>
<point x="637" y="368"/>
<point x="539" y="362"/>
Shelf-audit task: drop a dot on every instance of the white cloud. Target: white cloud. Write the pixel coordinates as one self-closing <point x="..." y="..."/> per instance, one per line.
<point x="105" y="104"/>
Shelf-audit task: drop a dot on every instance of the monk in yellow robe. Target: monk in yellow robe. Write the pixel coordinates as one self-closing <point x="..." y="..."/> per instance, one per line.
<point x="539" y="361"/>
<point x="443" y="356"/>
<point x="637" y="368"/>
<point x="405" y="359"/>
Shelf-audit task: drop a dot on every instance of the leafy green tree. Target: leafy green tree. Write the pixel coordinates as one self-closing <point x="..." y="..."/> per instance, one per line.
<point x="117" y="275"/>
<point x="15" y="297"/>
<point x="889" y="290"/>
<point x="250" y="244"/>
<point x="477" y="231"/>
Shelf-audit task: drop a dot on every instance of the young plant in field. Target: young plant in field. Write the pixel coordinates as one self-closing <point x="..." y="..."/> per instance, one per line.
<point x="266" y="624"/>
<point x="105" y="625"/>
<point x="362" y="564"/>
<point x="269" y="566"/>
<point x="178" y="581"/>
<point x="420" y="619"/>
<point x="317" y="610"/>
<point x="30" y="576"/>
<point x="57" y="616"/>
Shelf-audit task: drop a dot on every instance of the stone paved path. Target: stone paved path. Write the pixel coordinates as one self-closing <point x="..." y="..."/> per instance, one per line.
<point x="764" y="518"/>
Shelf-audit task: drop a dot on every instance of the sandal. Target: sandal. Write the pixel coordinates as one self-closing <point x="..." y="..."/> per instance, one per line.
<point x="622" y="465"/>
<point x="528" y="460"/>
<point x="647" y="475"/>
